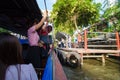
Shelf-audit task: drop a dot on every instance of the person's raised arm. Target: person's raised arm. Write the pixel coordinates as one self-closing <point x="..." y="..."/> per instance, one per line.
<point x="44" y="26"/>
<point x="37" y="26"/>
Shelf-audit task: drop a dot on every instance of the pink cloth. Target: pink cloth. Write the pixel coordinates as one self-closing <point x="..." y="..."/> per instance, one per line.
<point x="59" y="72"/>
<point x="33" y="36"/>
<point x="25" y="72"/>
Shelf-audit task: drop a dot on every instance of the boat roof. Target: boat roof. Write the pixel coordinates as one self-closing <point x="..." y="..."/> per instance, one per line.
<point x="17" y="15"/>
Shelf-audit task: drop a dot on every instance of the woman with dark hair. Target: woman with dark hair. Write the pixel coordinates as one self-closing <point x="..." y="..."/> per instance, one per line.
<point x="12" y="66"/>
<point x="2" y="71"/>
<point x="34" y="54"/>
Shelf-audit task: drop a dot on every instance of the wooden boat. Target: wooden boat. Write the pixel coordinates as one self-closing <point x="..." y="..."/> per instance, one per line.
<point x="52" y="70"/>
<point x="16" y="16"/>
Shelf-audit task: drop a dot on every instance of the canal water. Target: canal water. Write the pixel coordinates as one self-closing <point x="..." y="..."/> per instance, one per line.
<point x="92" y="69"/>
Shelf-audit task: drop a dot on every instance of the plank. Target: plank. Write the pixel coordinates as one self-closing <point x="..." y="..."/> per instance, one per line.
<point x="84" y="51"/>
<point x="102" y="46"/>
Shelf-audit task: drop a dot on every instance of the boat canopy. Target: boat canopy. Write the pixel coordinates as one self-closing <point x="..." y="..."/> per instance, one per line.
<point x="17" y="15"/>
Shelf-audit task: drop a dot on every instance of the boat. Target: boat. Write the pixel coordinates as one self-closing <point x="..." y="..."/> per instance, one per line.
<point x="16" y="16"/>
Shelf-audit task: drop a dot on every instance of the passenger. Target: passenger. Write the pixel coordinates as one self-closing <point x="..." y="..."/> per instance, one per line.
<point x="12" y="66"/>
<point x="46" y="41"/>
<point x="45" y="38"/>
<point x="79" y="40"/>
<point x="69" y="41"/>
<point x="62" y="43"/>
<point x="35" y="50"/>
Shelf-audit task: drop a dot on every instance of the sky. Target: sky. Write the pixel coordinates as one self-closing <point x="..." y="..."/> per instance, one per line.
<point x="97" y="1"/>
<point x="49" y="4"/>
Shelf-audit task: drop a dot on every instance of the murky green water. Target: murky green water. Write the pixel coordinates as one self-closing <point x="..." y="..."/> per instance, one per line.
<point x="92" y="69"/>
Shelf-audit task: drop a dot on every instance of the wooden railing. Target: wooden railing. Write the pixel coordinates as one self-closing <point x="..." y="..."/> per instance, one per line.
<point x="98" y="43"/>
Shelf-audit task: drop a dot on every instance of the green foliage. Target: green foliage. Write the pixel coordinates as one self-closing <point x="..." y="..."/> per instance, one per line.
<point x="67" y="13"/>
<point x="110" y="11"/>
<point x="3" y="30"/>
<point x="112" y="14"/>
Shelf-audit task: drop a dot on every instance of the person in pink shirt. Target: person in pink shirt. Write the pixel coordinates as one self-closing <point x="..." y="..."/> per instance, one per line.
<point x="33" y="36"/>
<point x="35" y="51"/>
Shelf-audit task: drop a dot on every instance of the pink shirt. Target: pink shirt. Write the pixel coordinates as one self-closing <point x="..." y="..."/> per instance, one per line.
<point x="33" y="36"/>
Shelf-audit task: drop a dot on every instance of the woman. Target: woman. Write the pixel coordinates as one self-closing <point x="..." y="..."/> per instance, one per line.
<point x="11" y="62"/>
<point x="35" y="51"/>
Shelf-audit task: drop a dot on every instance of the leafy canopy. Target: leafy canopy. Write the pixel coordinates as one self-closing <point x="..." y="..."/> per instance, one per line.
<point x="69" y="14"/>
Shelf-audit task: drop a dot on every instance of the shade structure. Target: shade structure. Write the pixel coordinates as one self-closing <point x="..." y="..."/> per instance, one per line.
<point x="18" y="15"/>
<point x="60" y="35"/>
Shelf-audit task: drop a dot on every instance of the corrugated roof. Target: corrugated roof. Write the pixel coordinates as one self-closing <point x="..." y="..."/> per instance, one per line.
<point x="17" y="15"/>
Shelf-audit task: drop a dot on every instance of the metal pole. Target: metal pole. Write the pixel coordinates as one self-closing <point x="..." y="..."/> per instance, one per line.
<point x="45" y="5"/>
<point x="85" y="39"/>
<point x="117" y="40"/>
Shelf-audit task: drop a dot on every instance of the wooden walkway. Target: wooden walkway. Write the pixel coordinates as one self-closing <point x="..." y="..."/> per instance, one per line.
<point x="94" y="53"/>
<point x="91" y="53"/>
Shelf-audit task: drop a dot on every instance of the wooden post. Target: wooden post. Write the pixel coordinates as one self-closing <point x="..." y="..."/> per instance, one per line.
<point x="103" y="59"/>
<point x="81" y="60"/>
<point x="117" y="40"/>
<point x="85" y="39"/>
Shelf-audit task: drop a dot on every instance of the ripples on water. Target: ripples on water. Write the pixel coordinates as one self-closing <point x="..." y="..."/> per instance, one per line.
<point x="92" y="69"/>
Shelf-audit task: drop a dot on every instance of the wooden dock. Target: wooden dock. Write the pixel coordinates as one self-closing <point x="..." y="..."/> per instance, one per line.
<point x="91" y="53"/>
<point x="97" y="47"/>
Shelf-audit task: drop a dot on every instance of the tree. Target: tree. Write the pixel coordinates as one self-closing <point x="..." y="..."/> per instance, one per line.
<point x="112" y="17"/>
<point x="69" y="15"/>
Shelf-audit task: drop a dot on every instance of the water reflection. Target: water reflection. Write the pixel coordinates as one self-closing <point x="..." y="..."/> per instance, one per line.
<point x="93" y="70"/>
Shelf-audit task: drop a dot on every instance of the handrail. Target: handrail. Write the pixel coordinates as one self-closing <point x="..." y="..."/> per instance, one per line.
<point x="117" y="38"/>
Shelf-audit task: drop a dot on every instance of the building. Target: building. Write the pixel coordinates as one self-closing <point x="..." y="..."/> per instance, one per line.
<point x="106" y="4"/>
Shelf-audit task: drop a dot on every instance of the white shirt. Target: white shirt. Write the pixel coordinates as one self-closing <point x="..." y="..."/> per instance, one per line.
<point x="25" y="71"/>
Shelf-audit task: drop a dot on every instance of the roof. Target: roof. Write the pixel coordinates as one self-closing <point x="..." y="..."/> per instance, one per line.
<point x="60" y="35"/>
<point x="17" y="15"/>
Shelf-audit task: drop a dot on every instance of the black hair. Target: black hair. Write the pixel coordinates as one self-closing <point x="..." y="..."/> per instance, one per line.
<point x="10" y="52"/>
<point x="49" y="27"/>
<point x="10" y="49"/>
<point x="2" y="70"/>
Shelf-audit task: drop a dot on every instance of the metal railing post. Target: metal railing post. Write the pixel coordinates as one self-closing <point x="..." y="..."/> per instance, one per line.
<point x="117" y="40"/>
<point x="85" y="39"/>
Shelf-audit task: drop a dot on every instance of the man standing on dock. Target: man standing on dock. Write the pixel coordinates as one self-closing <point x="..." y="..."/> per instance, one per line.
<point x="79" y="40"/>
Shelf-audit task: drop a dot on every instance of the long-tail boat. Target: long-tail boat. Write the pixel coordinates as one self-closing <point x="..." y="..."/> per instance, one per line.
<point x="16" y="16"/>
